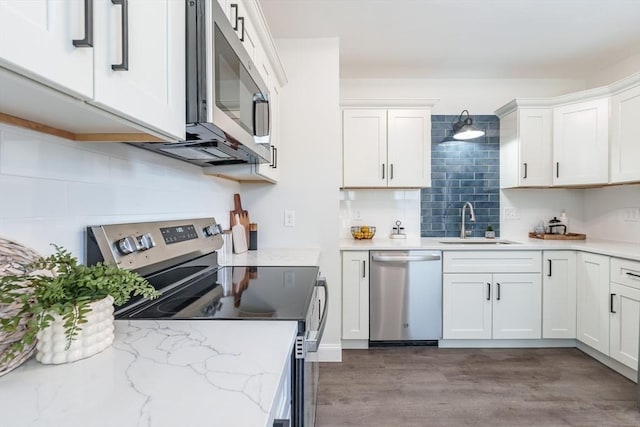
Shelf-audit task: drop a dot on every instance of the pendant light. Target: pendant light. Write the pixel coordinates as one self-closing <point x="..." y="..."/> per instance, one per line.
<point x="463" y="129"/>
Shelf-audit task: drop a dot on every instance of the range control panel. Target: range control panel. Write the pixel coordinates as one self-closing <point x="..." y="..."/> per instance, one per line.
<point x="137" y="245"/>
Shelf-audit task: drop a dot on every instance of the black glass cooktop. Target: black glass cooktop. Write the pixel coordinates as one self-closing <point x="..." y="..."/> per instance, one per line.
<point x="282" y="293"/>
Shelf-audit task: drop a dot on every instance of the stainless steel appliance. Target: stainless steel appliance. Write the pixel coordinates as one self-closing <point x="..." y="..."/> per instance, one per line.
<point x="179" y="258"/>
<point x="405" y="297"/>
<point x="227" y="114"/>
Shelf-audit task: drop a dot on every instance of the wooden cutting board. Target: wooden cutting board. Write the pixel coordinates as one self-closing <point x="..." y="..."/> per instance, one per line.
<point x="243" y="215"/>
<point x="567" y="236"/>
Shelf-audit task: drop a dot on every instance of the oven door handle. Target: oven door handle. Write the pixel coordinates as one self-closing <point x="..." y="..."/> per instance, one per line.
<point x="313" y="338"/>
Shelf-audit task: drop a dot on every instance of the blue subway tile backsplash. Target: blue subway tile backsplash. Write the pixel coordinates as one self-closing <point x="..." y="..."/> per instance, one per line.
<point x="462" y="171"/>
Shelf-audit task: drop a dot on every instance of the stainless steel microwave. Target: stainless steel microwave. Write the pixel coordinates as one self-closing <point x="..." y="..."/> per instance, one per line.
<point x="228" y="110"/>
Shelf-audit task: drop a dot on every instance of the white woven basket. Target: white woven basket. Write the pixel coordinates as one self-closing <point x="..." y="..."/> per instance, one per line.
<point x="14" y="259"/>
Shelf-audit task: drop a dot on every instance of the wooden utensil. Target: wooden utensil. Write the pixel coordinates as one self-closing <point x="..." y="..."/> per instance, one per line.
<point x="243" y="215"/>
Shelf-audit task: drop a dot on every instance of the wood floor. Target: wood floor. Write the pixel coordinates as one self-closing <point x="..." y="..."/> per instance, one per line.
<point x="422" y="386"/>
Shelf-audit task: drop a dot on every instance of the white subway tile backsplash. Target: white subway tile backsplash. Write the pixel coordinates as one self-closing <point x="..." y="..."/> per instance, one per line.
<point x="51" y="189"/>
<point x="25" y="197"/>
<point x="26" y="153"/>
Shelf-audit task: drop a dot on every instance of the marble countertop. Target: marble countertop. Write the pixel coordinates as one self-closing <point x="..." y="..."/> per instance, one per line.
<point x="604" y="247"/>
<point x="158" y="374"/>
<point x="274" y="257"/>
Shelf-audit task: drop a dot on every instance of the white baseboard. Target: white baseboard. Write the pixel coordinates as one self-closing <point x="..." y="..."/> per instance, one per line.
<point x="623" y="370"/>
<point x="355" y="344"/>
<point x="507" y="343"/>
<point x="327" y="353"/>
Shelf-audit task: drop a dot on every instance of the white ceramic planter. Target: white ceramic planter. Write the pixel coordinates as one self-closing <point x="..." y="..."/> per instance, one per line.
<point x="95" y="336"/>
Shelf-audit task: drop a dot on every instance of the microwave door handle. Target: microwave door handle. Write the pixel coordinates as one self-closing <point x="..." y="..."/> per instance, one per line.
<point x="313" y="337"/>
<point x="259" y="98"/>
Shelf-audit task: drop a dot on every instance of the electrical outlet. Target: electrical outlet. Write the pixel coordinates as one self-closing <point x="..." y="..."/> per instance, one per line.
<point x="511" y="213"/>
<point x="631" y="214"/>
<point x="289" y="218"/>
<point x="357" y="215"/>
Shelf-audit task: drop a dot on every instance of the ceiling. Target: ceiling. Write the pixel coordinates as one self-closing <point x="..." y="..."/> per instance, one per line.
<point x="465" y="38"/>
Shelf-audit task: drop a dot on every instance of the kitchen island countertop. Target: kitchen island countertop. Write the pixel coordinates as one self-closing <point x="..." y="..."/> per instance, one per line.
<point x="603" y="247"/>
<point x="158" y="374"/>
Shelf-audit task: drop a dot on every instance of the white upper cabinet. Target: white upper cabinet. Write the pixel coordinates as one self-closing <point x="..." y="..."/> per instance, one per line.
<point x="625" y="140"/>
<point x="525" y="148"/>
<point x="387" y="148"/>
<point x="141" y="75"/>
<point x="45" y="40"/>
<point x="364" y="148"/>
<point x="581" y="143"/>
<point x="124" y="57"/>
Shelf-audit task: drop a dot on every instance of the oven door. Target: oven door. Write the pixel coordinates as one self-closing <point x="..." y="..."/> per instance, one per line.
<point x="307" y="366"/>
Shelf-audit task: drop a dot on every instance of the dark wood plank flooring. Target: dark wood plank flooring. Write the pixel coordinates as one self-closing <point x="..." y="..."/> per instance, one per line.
<point x="423" y="386"/>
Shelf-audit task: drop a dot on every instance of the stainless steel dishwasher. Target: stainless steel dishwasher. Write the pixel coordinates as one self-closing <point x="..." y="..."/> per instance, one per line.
<point x="405" y="297"/>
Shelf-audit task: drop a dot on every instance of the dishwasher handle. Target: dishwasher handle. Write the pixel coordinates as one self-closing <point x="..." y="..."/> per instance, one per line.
<point x="404" y="258"/>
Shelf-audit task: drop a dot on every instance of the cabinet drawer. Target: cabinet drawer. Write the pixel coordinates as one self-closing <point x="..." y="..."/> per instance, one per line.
<point x="625" y="272"/>
<point x="492" y="262"/>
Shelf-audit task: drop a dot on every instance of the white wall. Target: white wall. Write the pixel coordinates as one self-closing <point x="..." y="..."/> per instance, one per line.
<point x="614" y="72"/>
<point x="311" y="175"/>
<point x="479" y="96"/>
<point x="51" y="189"/>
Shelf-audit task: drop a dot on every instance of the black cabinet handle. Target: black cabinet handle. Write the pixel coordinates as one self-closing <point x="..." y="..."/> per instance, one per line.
<point x="611" y="303"/>
<point x="497" y="291"/>
<point x="549" y="275"/>
<point x="525" y="171"/>
<point x="364" y="269"/>
<point x="273" y="156"/>
<point x="383" y="171"/>
<point x="234" y="6"/>
<point x="241" y="20"/>
<point x="633" y="274"/>
<point x="557" y="169"/>
<point x="276" y="164"/>
<point x="124" y="65"/>
<point x="87" y="41"/>
<point x="391" y="174"/>
<point x="488" y="291"/>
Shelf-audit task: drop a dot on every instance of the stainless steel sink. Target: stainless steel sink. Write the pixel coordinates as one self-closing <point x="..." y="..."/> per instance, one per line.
<point x="476" y="241"/>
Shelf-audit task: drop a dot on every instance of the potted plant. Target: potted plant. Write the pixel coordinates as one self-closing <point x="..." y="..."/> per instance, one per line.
<point x="489" y="233"/>
<point x="69" y="306"/>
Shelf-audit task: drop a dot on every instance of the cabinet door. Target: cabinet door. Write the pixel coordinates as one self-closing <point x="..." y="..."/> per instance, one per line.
<point x="409" y="148"/>
<point x="534" y="142"/>
<point x="517" y="306"/>
<point x="593" y="301"/>
<point x="355" y="295"/>
<point x="581" y="143"/>
<point x="625" y="148"/>
<point x="364" y="148"/>
<point x="36" y="39"/>
<point x="559" y="294"/>
<point x="625" y="324"/>
<point x="466" y="306"/>
<point x="152" y="90"/>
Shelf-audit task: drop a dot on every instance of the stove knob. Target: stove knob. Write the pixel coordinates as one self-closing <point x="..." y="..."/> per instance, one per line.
<point x="145" y="242"/>
<point x="212" y="230"/>
<point x="126" y="245"/>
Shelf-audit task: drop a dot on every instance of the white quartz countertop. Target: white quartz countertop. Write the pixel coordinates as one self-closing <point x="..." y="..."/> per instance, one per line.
<point x="604" y="247"/>
<point x="275" y="257"/>
<point x="158" y="374"/>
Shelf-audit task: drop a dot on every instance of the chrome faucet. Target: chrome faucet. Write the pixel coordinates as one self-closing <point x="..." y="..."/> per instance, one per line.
<point x="463" y="232"/>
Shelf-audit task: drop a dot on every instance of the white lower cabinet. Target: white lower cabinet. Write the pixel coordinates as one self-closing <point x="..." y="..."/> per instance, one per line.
<point x="485" y="306"/>
<point x="355" y="295"/>
<point x="593" y="300"/>
<point x="498" y="295"/>
<point x="624" y="311"/>
<point x="559" y="294"/>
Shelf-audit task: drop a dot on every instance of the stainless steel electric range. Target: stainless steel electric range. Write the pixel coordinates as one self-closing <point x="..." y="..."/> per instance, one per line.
<point x="179" y="259"/>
